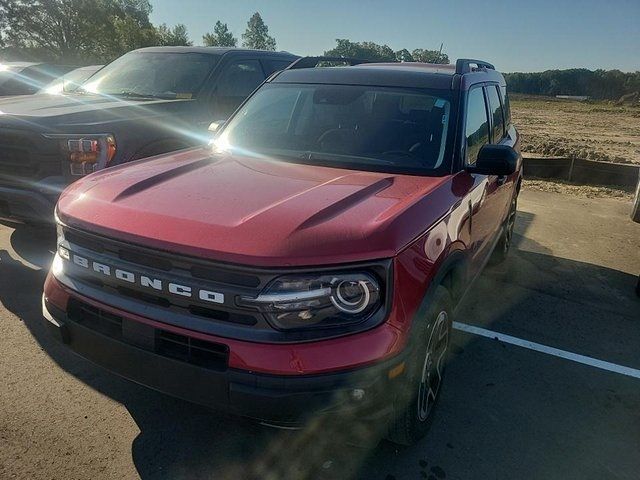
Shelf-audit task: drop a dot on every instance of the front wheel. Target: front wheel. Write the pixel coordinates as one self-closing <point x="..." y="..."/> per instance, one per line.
<point x="415" y="405"/>
<point x="503" y="246"/>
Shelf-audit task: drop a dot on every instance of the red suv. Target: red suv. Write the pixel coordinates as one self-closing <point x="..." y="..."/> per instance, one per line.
<point x="309" y="261"/>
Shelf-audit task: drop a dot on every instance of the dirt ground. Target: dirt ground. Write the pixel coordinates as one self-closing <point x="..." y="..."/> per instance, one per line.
<point x="568" y="188"/>
<point x="589" y="130"/>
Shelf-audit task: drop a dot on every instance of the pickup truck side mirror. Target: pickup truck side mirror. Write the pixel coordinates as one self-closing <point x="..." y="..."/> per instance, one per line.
<point x="495" y="160"/>
<point x="214" y="127"/>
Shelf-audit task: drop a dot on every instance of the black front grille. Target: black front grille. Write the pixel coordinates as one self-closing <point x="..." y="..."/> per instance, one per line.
<point x="162" y="261"/>
<point x="28" y="155"/>
<point x="168" y="268"/>
<point x="213" y="356"/>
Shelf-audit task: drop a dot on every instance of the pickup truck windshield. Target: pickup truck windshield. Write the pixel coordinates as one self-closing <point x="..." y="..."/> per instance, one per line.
<point x="361" y="127"/>
<point x="153" y="75"/>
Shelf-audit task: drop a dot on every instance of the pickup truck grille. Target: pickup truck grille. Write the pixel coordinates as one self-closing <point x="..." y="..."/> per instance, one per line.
<point x="27" y="156"/>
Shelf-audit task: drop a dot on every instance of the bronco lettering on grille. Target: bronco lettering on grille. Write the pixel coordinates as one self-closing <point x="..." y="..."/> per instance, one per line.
<point x="147" y="282"/>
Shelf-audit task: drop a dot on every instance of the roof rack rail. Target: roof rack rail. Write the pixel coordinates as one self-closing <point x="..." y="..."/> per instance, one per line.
<point x="464" y="65"/>
<point x="311" y="62"/>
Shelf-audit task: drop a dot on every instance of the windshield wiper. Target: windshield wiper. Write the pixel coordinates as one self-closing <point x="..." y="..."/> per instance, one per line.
<point x="330" y="157"/>
<point x="131" y="93"/>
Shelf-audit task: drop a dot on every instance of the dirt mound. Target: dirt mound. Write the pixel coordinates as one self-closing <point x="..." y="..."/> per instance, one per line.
<point x="591" y="130"/>
<point x="629" y="99"/>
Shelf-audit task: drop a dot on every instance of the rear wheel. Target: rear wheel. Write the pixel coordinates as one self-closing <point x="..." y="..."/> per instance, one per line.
<point x="416" y="404"/>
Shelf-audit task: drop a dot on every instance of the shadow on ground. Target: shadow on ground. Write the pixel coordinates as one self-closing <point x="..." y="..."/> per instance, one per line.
<point x="180" y="440"/>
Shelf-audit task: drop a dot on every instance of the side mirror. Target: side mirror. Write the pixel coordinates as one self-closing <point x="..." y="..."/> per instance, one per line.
<point x="495" y="160"/>
<point x="214" y="127"/>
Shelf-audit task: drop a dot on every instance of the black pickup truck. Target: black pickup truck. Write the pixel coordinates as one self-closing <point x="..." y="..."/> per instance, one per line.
<point x="147" y="102"/>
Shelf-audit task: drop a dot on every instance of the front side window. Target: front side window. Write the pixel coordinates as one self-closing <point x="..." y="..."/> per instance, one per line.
<point x="236" y="83"/>
<point x="153" y="75"/>
<point x="477" y="125"/>
<point x="275" y="65"/>
<point x="495" y="109"/>
<point x="361" y="127"/>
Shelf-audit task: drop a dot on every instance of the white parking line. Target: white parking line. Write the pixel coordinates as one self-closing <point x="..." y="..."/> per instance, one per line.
<point x="574" y="357"/>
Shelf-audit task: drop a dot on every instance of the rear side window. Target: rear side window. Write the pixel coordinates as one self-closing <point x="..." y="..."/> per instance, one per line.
<point x="237" y="81"/>
<point x="477" y="126"/>
<point x="507" y="109"/>
<point x="495" y="109"/>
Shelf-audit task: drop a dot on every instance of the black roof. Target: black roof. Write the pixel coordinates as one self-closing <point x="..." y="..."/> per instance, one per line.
<point x="405" y="74"/>
<point x="215" y="51"/>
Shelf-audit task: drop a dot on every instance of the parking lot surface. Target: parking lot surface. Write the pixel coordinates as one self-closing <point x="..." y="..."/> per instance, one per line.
<point x="556" y="396"/>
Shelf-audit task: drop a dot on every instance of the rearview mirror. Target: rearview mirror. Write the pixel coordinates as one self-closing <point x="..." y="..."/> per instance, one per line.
<point x="495" y="160"/>
<point x="214" y="127"/>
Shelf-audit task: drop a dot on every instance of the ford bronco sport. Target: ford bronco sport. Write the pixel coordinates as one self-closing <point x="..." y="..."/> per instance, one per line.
<point x="309" y="261"/>
<point x="147" y="102"/>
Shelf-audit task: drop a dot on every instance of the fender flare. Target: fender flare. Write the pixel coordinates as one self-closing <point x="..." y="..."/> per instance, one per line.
<point x="455" y="261"/>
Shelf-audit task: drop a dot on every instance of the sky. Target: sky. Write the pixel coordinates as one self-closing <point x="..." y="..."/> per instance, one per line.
<point x="515" y="35"/>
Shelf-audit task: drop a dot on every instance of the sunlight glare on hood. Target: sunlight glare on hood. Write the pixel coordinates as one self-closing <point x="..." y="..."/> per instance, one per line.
<point x="56" y="89"/>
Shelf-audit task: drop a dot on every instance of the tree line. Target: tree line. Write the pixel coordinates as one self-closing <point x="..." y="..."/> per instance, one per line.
<point x="98" y="31"/>
<point x="598" y="84"/>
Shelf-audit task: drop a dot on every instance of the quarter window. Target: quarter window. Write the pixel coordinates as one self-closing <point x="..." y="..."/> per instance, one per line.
<point x="477" y="126"/>
<point x="506" y="108"/>
<point x="495" y="108"/>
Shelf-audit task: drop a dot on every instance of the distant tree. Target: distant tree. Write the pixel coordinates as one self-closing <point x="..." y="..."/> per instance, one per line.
<point x="221" y="37"/>
<point x="364" y="50"/>
<point x="176" y="36"/>
<point x="257" y="34"/>
<point x="383" y="53"/>
<point x="404" y="55"/>
<point x="73" y="30"/>
<point x="429" y="56"/>
<point x="599" y="84"/>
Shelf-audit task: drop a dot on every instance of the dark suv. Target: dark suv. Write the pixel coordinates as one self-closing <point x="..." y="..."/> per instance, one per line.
<point x="147" y="102"/>
<point x="27" y="78"/>
<point x="306" y="265"/>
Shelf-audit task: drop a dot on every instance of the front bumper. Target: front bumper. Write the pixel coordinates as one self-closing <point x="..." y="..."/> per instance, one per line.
<point x="362" y="394"/>
<point x="26" y="206"/>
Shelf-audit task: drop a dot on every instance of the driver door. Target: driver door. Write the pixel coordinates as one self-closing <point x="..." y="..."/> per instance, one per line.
<point x="486" y="215"/>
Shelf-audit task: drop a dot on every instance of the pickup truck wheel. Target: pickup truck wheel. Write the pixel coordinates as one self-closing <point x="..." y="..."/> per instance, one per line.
<point x="415" y="405"/>
<point x="503" y="246"/>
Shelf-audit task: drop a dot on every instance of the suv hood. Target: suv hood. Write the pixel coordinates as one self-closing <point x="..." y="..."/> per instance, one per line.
<point x="254" y="211"/>
<point x="80" y="110"/>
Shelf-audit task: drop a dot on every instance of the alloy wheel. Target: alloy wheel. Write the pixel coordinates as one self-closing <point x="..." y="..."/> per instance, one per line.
<point x="433" y="366"/>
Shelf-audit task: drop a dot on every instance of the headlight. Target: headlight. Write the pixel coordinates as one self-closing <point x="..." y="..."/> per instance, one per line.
<point x="62" y="253"/>
<point x="305" y="301"/>
<point x="87" y="153"/>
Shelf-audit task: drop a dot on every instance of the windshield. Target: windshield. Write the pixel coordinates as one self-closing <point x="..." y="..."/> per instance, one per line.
<point x="361" y="127"/>
<point x="70" y="81"/>
<point x="27" y="80"/>
<point x="155" y="75"/>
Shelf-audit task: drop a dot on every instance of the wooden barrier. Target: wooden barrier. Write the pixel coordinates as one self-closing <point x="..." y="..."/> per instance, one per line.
<point x="580" y="171"/>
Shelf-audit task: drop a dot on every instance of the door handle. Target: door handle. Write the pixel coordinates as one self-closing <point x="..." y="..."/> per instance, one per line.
<point x="501" y="180"/>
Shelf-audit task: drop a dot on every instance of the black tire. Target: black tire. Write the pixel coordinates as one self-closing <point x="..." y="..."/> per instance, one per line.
<point x="501" y="250"/>
<point x="415" y="405"/>
<point x="635" y="211"/>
